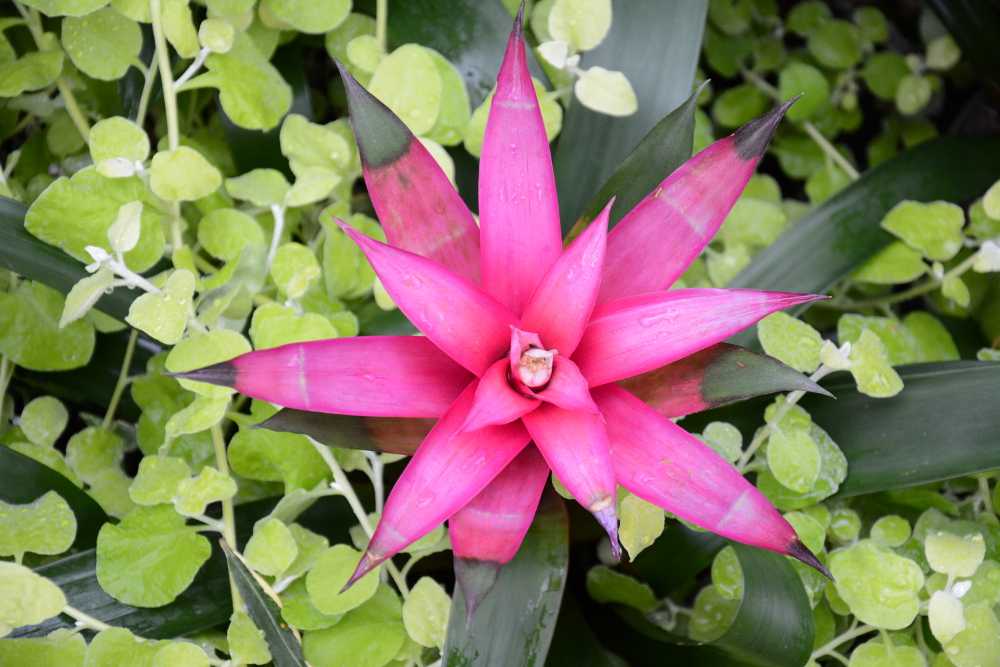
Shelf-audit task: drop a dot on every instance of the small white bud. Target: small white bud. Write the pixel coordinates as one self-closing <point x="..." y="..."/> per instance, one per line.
<point x="834" y="357"/>
<point x="961" y="588"/>
<point x="988" y="259"/>
<point x="937" y="270"/>
<point x="535" y="367"/>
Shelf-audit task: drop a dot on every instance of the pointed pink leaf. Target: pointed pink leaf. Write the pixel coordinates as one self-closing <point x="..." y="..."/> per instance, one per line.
<point x="662" y="463"/>
<point x="496" y="401"/>
<point x="654" y="244"/>
<point x="444" y="475"/>
<point x="518" y="209"/>
<point x="561" y="303"/>
<point x="416" y="203"/>
<point x="460" y="318"/>
<point x="719" y="374"/>
<point x="486" y="533"/>
<point x="575" y="445"/>
<point x="376" y="376"/>
<point x="637" y="334"/>
<point x="568" y="388"/>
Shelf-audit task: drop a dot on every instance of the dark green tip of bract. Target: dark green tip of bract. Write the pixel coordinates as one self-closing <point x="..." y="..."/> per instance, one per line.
<point x="519" y="21"/>
<point x="476" y="578"/>
<point x="751" y="139"/>
<point x="223" y="374"/>
<point x="800" y="551"/>
<point x="382" y="137"/>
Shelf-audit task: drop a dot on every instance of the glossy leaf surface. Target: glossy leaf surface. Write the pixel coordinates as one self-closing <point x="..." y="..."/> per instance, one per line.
<point x="513" y="626"/>
<point x="656" y="45"/>
<point x="830" y="241"/>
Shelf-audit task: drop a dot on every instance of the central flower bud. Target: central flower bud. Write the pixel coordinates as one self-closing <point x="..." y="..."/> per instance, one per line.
<point x="531" y="364"/>
<point x="535" y="367"/>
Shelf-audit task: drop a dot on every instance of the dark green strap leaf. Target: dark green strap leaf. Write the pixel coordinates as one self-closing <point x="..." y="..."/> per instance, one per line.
<point x="25" y="480"/>
<point x="830" y="241"/>
<point x="667" y="146"/>
<point x="286" y="651"/>
<point x="975" y="25"/>
<point x="27" y="256"/>
<point x="774" y="626"/>
<point x="656" y="45"/>
<point x="573" y="642"/>
<point x="513" y="626"/>
<point x="943" y="424"/>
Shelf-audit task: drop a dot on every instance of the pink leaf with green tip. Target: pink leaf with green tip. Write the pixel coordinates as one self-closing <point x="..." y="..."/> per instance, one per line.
<point x="472" y="327"/>
<point x="518" y="209"/>
<point x="654" y="244"/>
<point x="417" y="205"/>
<point x="637" y="334"/>
<point x="663" y="464"/>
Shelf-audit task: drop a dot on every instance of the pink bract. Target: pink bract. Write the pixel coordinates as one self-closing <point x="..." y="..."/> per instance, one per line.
<point x="524" y="341"/>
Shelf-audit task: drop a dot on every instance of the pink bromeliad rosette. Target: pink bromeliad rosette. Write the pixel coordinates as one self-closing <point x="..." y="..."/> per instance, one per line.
<point x="534" y="358"/>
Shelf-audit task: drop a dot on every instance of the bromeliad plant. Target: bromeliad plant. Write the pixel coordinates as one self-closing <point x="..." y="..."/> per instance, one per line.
<point x="524" y="342"/>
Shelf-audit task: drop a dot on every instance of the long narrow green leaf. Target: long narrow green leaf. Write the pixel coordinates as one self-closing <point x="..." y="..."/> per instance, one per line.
<point x="206" y="603"/>
<point x="942" y="425"/>
<point x="656" y="43"/>
<point x="513" y="626"/>
<point x="830" y="241"/>
<point x="27" y="256"/>
<point x="975" y="25"/>
<point x="25" y="480"/>
<point x="667" y="146"/>
<point x="573" y="642"/>
<point x="286" y="651"/>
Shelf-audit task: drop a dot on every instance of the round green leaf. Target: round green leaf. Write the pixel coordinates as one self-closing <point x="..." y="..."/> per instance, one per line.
<point x="833" y="470"/>
<point x="871" y="368"/>
<point x="727" y="575"/>
<point x="45" y="526"/>
<point x="876" y="654"/>
<point x="897" y="263"/>
<point x="879" y="586"/>
<point x="332" y="570"/>
<point x="32" y="71"/>
<point x="801" y="78"/>
<point x="891" y="531"/>
<point x="935" y="228"/>
<point x="641" y="523"/>
<point x="790" y="340"/>
<point x="582" y="24"/>
<point x="943" y="53"/>
<point x="261" y="187"/>
<point x="164" y="316"/>
<point x="724" y="266"/>
<point x="425" y="613"/>
<point x="845" y="524"/>
<point x="157" y="480"/>
<point x="55" y="650"/>
<point x="291" y="328"/>
<point x="295" y="269"/>
<point x="44" y="419"/>
<point x="953" y="555"/>
<point x="711" y="616"/>
<point x="205" y="349"/>
<point x="277" y="457"/>
<point x="724" y="439"/>
<point x="246" y="642"/>
<point x="353" y="26"/>
<point x="933" y="342"/>
<point x="368" y="636"/>
<point x="216" y="35"/>
<point x="979" y="644"/>
<point x="224" y="232"/>
<point x="118" y="646"/>
<point x="739" y="105"/>
<point x="883" y="72"/>
<point x="150" y="558"/>
<point x="314" y="18"/>
<point x="309" y="545"/>
<point x="26" y="598"/>
<point x="180" y="654"/>
<point x="76" y="212"/>
<point x="65" y="7"/>
<point x="183" y="174"/>
<point x="794" y="460"/>
<point x="103" y="44"/>
<point x="836" y="44"/>
<point x="210" y="486"/>
<point x="804" y="18"/>
<point x="408" y="82"/>
<point x="30" y="335"/>
<point x="307" y="145"/>
<point x="271" y="549"/>
<point x="606" y="92"/>
<point x="299" y="611"/>
<point x="873" y="24"/>
<point x="179" y="28"/>
<point x="732" y="18"/>
<point x="92" y="451"/>
<point x="913" y="94"/>
<point x="453" y="114"/>
<point x="605" y="585"/>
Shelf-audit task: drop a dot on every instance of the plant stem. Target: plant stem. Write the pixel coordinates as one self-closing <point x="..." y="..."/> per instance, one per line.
<point x="147" y="89"/>
<point x="381" y="20"/>
<point x="343" y="485"/>
<point x="86" y="619"/>
<point x="831" y="645"/>
<point x="814" y="134"/>
<point x="228" y="516"/>
<point x="984" y="489"/>
<point x="199" y="60"/>
<point x="790" y="400"/>
<point x="166" y="76"/>
<point x="278" y="212"/>
<point x="122" y="379"/>
<point x="6" y="373"/>
<point x="34" y="21"/>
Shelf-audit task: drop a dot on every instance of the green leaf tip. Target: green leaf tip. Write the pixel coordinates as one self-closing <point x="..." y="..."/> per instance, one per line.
<point x="382" y="137"/>
<point x="223" y="374"/>
<point x="751" y="139"/>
